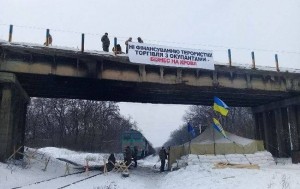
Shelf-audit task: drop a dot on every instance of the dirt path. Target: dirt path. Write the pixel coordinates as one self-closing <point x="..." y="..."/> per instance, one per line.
<point x="150" y="177"/>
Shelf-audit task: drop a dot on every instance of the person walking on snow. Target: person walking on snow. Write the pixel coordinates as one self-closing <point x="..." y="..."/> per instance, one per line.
<point x="127" y="155"/>
<point x="163" y="157"/>
<point x="105" y="42"/>
<point x="135" y="153"/>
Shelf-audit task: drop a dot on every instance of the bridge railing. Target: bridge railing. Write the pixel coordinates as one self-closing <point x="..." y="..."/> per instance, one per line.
<point x="91" y="40"/>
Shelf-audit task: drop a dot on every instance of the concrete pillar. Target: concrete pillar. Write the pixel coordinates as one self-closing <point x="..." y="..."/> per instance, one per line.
<point x="285" y="135"/>
<point x="292" y="118"/>
<point x="6" y="124"/>
<point x="298" y="123"/>
<point x="13" y="104"/>
<point x="259" y="132"/>
<point x="272" y="133"/>
<point x="279" y="132"/>
<point x="256" y="127"/>
<point x="265" y="128"/>
<point x="285" y="120"/>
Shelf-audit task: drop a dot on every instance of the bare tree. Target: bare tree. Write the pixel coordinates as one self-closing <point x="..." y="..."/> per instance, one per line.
<point x="76" y="124"/>
<point x="238" y="121"/>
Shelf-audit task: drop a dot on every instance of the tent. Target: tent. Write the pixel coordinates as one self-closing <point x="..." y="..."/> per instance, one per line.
<point x="213" y="142"/>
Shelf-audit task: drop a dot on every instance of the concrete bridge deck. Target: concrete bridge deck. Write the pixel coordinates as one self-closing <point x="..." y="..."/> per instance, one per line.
<point x="68" y="73"/>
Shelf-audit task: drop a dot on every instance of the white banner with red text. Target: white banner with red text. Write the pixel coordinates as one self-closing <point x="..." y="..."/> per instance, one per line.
<point x="170" y="56"/>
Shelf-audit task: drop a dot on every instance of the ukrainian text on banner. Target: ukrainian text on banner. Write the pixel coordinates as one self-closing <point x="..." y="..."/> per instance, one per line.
<point x="170" y="56"/>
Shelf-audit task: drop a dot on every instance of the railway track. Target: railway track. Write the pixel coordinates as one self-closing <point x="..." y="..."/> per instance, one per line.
<point x="50" y="180"/>
<point x="65" y="186"/>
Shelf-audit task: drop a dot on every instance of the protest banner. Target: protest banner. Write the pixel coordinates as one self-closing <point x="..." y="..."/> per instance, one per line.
<point x="170" y="56"/>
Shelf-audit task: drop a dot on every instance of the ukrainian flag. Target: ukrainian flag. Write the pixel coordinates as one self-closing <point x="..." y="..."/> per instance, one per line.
<point x="220" y="106"/>
<point x="217" y="125"/>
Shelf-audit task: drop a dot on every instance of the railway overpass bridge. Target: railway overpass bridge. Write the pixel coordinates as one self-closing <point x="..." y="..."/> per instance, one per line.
<point x="28" y="70"/>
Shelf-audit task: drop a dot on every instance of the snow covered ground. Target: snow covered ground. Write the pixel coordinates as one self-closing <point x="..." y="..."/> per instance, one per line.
<point x="192" y="174"/>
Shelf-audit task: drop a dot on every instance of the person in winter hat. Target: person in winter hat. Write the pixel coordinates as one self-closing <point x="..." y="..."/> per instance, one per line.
<point x="105" y="42"/>
<point x="140" y="40"/>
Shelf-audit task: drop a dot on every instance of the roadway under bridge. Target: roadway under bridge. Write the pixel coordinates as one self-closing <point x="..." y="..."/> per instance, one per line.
<point x="28" y="70"/>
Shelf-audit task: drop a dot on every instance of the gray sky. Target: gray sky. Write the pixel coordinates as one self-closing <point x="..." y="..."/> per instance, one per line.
<point x="263" y="26"/>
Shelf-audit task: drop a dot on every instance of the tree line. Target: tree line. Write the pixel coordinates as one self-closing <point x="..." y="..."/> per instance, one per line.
<point x="84" y="125"/>
<point x="238" y="121"/>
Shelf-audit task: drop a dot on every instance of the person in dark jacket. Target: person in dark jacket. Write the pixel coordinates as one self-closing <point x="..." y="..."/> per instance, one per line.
<point x="135" y="153"/>
<point x="128" y="155"/>
<point x="163" y="157"/>
<point x="126" y="43"/>
<point x="117" y="50"/>
<point x="105" y="42"/>
<point x="140" y="40"/>
<point x="111" y="162"/>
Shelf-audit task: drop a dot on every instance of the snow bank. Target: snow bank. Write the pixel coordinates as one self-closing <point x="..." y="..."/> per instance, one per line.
<point x="260" y="158"/>
<point x="78" y="157"/>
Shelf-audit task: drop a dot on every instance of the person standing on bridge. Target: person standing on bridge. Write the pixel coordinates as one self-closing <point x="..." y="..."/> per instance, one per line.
<point x="105" y="42"/>
<point x="118" y="49"/>
<point x="140" y="40"/>
<point x="126" y="43"/>
<point x="49" y="40"/>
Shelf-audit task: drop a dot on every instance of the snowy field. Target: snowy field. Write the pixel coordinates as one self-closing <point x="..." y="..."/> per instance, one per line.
<point x="194" y="172"/>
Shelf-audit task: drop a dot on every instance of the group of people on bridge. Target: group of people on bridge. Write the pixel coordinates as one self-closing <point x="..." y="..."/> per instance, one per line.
<point x="105" y="43"/>
<point x="117" y="50"/>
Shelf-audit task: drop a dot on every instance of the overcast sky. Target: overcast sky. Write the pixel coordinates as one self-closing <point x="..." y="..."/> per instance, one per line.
<point x="266" y="27"/>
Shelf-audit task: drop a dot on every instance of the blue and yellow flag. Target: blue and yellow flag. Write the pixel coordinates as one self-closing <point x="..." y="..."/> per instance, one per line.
<point x="217" y="125"/>
<point x="220" y="106"/>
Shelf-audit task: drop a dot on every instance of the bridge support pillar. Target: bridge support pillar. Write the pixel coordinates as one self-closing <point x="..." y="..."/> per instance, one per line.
<point x="293" y="115"/>
<point x="13" y="104"/>
<point x="278" y="124"/>
<point x="281" y="123"/>
<point x="259" y="127"/>
<point x="298" y="126"/>
<point x="271" y="138"/>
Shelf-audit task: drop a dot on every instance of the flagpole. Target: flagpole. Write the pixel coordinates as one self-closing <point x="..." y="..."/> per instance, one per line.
<point x="214" y="141"/>
<point x="190" y="145"/>
<point x="220" y="118"/>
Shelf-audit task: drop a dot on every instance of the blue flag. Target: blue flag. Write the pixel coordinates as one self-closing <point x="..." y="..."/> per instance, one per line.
<point x="191" y="129"/>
